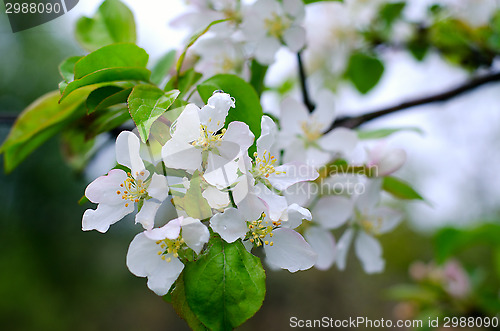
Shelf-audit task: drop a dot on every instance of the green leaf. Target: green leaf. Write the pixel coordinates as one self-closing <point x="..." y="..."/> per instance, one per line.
<point x="77" y="149"/>
<point x="257" y="78"/>
<point x="146" y="103"/>
<point x="364" y="71"/>
<point x="400" y="189"/>
<point x="67" y="68"/>
<point x="112" y="23"/>
<point x="193" y="203"/>
<point x="106" y="96"/>
<point x="390" y="12"/>
<point x="107" y="120"/>
<point x="382" y="133"/>
<point x="180" y="304"/>
<point x="248" y="108"/>
<point x="184" y="83"/>
<point x="38" y="122"/>
<point x="117" y="62"/>
<point x="225" y="286"/>
<point x="162" y="67"/>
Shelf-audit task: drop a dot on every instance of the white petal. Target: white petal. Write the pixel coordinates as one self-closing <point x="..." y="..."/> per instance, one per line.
<point x="386" y="160"/>
<point x="180" y="155"/>
<point x="215" y="198"/>
<point x="290" y="251"/>
<point x="158" y="187"/>
<point x="104" y="188"/>
<point x="295" y="8"/>
<point x="295" y="38"/>
<point x="368" y="199"/>
<point x="291" y="173"/>
<point x="267" y="136"/>
<point x="228" y="150"/>
<point x="170" y="230"/>
<point x="104" y="216"/>
<point x="295" y="215"/>
<point x="143" y="261"/>
<point x="187" y="125"/>
<point x="317" y="158"/>
<point x="386" y="219"/>
<point x="275" y="203"/>
<point x="266" y="49"/>
<point x="324" y="112"/>
<point x="323" y="243"/>
<point x="220" y="172"/>
<point x="339" y="140"/>
<point x="214" y="114"/>
<point x="128" y="151"/>
<point x="292" y="114"/>
<point x="195" y="234"/>
<point x="147" y="214"/>
<point x="239" y="133"/>
<point x="230" y="225"/>
<point x="343" y="248"/>
<point x="333" y="211"/>
<point x="369" y="252"/>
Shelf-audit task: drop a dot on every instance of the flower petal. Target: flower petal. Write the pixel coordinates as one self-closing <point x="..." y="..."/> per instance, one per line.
<point x="194" y="233"/>
<point x="290" y="251"/>
<point x="333" y="211"/>
<point x="187" y="125"/>
<point x="292" y="114"/>
<point x="170" y="230"/>
<point x="368" y="199"/>
<point x="339" y="140"/>
<point x="324" y="112"/>
<point x="213" y="115"/>
<point x="275" y="204"/>
<point x="295" y="215"/>
<point x="291" y="173"/>
<point x="343" y="248"/>
<point x="295" y="38"/>
<point x="128" y="152"/>
<point x="267" y="136"/>
<point x="266" y="49"/>
<point x="158" y="188"/>
<point x="323" y="243"/>
<point x="146" y="217"/>
<point x="239" y="133"/>
<point x="230" y="225"/>
<point x="104" y="189"/>
<point x="369" y="252"/>
<point x="216" y="198"/>
<point x="181" y="155"/>
<point x="104" y="216"/>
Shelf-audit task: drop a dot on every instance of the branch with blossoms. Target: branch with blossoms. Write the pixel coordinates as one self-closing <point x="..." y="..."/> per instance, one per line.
<point x="230" y="198"/>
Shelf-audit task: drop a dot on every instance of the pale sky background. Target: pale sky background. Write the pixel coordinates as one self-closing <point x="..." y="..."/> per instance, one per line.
<point x="454" y="164"/>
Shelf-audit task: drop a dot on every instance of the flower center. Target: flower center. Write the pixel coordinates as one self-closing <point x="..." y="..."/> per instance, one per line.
<point x="170" y="246"/>
<point x="276" y="25"/>
<point x="257" y="231"/>
<point x="207" y="139"/>
<point x="265" y="166"/>
<point x="133" y="189"/>
<point x="311" y="130"/>
<point x="371" y="225"/>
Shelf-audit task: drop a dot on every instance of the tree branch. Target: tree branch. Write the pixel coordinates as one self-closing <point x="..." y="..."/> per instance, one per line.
<point x="355" y="121"/>
<point x="302" y="76"/>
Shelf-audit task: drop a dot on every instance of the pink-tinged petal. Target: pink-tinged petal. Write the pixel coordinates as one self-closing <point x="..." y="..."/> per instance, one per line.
<point x="240" y="134"/>
<point x="275" y="204"/>
<point x="339" y="140"/>
<point x="368" y="199"/>
<point x="128" y="151"/>
<point x="343" y="248"/>
<point x="230" y="225"/>
<point x="385" y="219"/>
<point x="194" y="233"/>
<point x="268" y="135"/>
<point x="146" y="217"/>
<point x="158" y="187"/>
<point x="266" y="49"/>
<point x="325" y="113"/>
<point x="216" y="198"/>
<point x="104" y="189"/>
<point x="333" y="211"/>
<point x="290" y="251"/>
<point x="187" y="125"/>
<point x="292" y="173"/>
<point x="295" y="38"/>
<point x="292" y="115"/>
<point x="295" y="215"/>
<point x="385" y="160"/>
<point x="143" y="260"/>
<point x="104" y="216"/>
<point x="180" y="155"/>
<point x="323" y="243"/>
<point x="170" y="231"/>
<point x="369" y="252"/>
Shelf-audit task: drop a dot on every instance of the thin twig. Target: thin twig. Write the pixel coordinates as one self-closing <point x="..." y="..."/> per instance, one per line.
<point x="302" y="75"/>
<point x="355" y="121"/>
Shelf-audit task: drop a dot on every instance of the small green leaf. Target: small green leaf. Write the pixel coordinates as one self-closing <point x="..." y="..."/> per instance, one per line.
<point x="106" y="96"/>
<point x="257" y="78"/>
<point x="38" y="122"/>
<point x="117" y="62"/>
<point x="364" y="71"/>
<point x="112" y="23"/>
<point x="193" y="203"/>
<point x="106" y="120"/>
<point x="225" y="286"/>
<point x="146" y="103"/>
<point x="382" y="133"/>
<point x="400" y="189"/>
<point x="180" y="304"/>
<point x="162" y="67"/>
<point x="248" y="108"/>
<point x="392" y="11"/>
<point x="67" y="68"/>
